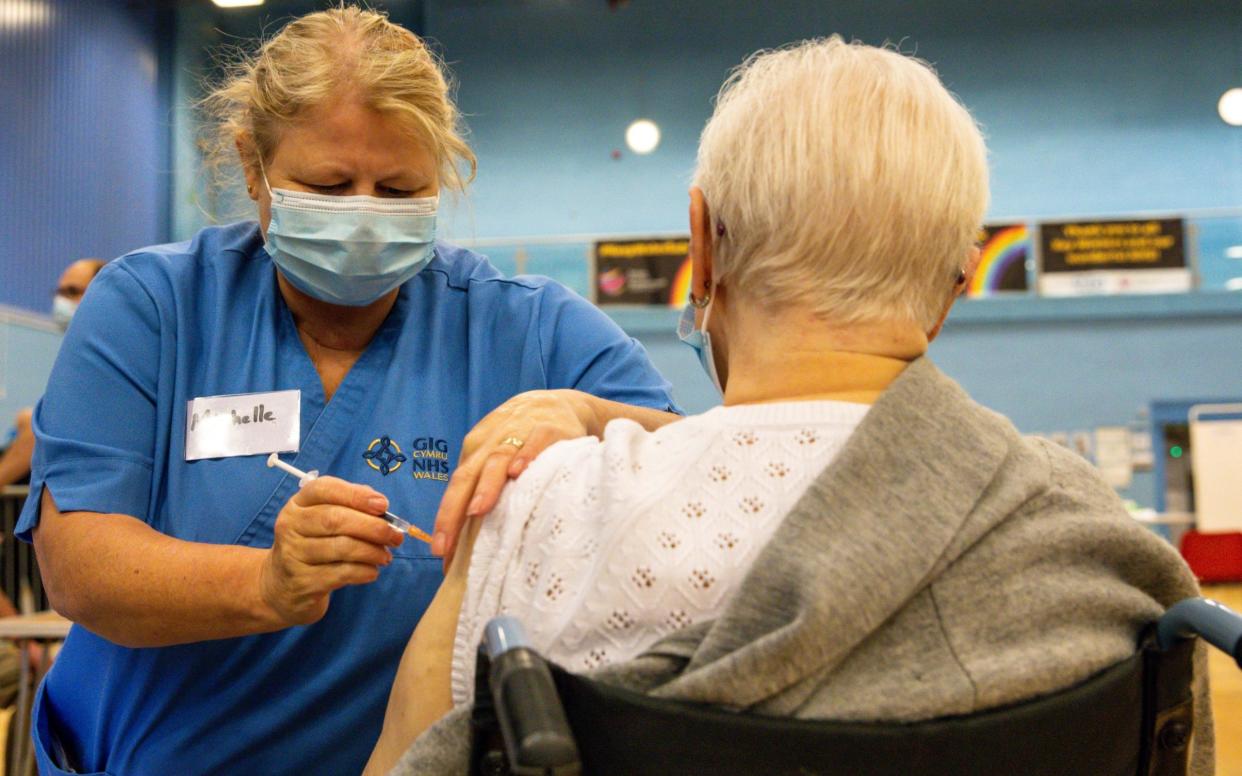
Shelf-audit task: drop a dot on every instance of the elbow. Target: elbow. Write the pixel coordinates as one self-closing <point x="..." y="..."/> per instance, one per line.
<point x="60" y="601"/>
<point x="77" y="598"/>
<point x="64" y="598"/>
<point x="75" y="606"/>
<point x="60" y="596"/>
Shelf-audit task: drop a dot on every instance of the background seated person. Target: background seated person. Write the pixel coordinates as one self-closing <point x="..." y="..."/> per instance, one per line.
<point x="16" y="454"/>
<point x="849" y="537"/>
<point x="15" y="457"/>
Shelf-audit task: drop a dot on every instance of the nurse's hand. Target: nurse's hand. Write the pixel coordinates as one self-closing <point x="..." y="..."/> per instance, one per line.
<point x="500" y="447"/>
<point x="326" y="537"/>
<point x="504" y="443"/>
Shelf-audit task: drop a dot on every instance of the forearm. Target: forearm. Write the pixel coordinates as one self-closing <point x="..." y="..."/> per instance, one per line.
<point x="125" y="581"/>
<point x="604" y="411"/>
<point x="15" y="463"/>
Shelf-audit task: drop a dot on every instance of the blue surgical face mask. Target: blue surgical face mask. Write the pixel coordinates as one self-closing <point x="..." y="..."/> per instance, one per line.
<point x="700" y="340"/>
<point x="349" y="250"/>
<point x="63" y="309"/>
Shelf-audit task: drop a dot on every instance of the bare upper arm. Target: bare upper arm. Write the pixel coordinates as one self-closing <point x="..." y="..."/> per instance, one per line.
<point x="422" y="691"/>
<point x="432" y="643"/>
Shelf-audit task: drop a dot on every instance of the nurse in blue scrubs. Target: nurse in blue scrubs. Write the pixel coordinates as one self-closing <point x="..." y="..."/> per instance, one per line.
<point x="227" y="619"/>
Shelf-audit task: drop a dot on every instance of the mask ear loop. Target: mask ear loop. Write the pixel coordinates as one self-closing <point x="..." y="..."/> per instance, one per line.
<point x="263" y="174"/>
<point x="706" y="305"/>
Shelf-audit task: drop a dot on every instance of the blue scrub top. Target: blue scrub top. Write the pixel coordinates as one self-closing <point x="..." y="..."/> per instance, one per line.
<point x="168" y="324"/>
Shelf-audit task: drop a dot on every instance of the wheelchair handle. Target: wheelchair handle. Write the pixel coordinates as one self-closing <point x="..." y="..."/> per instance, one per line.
<point x="502" y="634"/>
<point x="1216" y="623"/>
<point x="538" y="740"/>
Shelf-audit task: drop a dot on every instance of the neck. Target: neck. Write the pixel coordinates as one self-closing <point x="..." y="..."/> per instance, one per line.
<point x="334" y="327"/>
<point x="798" y="357"/>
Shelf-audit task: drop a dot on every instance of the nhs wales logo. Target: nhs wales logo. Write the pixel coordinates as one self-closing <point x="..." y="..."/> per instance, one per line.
<point x="429" y="459"/>
<point x="426" y="458"/>
<point x="384" y="456"/>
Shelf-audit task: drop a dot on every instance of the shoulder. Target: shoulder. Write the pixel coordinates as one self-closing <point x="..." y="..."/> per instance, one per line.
<point x="1073" y="520"/>
<point x="625" y="463"/>
<point x="209" y="245"/>
<point x="563" y="340"/>
<point x="1063" y="477"/>
<point x="465" y="270"/>
<point x="565" y="465"/>
<point x="470" y="273"/>
<point x="162" y="267"/>
<point x="633" y="467"/>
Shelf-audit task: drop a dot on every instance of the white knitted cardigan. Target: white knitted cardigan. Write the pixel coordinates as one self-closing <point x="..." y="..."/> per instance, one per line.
<point x="602" y="547"/>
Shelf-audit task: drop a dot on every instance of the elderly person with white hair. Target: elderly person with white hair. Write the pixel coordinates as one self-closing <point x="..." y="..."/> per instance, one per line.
<point x="869" y="542"/>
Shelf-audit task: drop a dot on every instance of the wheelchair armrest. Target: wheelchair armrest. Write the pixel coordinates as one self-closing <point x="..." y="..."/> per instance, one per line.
<point x="1216" y="623"/>
<point x="536" y="734"/>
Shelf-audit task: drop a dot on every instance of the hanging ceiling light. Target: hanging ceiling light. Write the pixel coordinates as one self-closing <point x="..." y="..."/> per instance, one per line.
<point x="642" y="136"/>
<point x="1230" y="107"/>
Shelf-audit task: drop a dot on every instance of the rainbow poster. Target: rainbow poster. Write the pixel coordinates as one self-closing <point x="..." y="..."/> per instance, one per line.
<point x="1006" y="251"/>
<point x="679" y="291"/>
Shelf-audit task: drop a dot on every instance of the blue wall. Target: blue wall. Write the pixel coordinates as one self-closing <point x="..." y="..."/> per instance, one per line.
<point x="83" y="149"/>
<point x="1088" y="107"/>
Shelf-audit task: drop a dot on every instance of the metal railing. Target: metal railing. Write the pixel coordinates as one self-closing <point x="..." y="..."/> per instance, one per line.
<point x="19" y="571"/>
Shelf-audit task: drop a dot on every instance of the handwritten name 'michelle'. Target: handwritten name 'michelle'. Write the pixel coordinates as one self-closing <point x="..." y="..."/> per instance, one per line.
<point x="258" y="414"/>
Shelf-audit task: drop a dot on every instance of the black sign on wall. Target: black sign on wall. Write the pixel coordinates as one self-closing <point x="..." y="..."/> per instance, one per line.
<point x="652" y="271"/>
<point x="1085" y="246"/>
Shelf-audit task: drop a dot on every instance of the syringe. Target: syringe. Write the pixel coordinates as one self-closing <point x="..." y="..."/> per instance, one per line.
<point x="403" y="526"/>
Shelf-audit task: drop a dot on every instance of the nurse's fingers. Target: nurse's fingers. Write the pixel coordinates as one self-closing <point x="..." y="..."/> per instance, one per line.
<point x="505" y="463"/>
<point x="492" y="479"/>
<point x="481" y="483"/>
<point x="539" y="439"/>
<point x="327" y="520"/>
<point x="342" y="574"/>
<point x="451" y="515"/>
<point x="331" y="490"/>
<point x="342" y="549"/>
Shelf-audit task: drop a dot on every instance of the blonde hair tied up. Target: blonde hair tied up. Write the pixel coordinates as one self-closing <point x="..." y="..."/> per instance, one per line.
<point x="343" y="51"/>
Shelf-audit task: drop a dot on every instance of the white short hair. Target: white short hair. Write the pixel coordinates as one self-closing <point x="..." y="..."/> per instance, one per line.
<point x="845" y="179"/>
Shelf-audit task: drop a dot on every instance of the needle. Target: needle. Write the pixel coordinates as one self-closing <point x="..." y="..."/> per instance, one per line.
<point x="401" y="525"/>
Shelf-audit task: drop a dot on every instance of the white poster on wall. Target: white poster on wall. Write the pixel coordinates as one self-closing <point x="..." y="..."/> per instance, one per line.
<point x="1216" y="461"/>
<point x="1112" y="455"/>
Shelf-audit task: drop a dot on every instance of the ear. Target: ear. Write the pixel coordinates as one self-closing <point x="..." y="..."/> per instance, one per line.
<point x="969" y="267"/>
<point x="701" y="237"/>
<point x="246" y="154"/>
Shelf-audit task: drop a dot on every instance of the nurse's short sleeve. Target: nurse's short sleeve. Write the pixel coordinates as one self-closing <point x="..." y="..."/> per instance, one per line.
<point x="95" y="425"/>
<point x="585" y="349"/>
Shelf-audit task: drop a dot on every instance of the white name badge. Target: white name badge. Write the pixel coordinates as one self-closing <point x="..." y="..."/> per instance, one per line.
<point x="243" y="424"/>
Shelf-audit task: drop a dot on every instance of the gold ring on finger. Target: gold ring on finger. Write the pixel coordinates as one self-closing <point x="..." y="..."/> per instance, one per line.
<point x="517" y="443"/>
